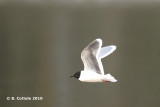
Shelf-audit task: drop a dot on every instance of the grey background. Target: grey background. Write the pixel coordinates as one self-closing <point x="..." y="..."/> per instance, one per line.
<point x="41" y="42"/>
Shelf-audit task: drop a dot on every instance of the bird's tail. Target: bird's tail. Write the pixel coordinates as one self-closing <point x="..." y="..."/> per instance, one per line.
<point x="110" y="78"/>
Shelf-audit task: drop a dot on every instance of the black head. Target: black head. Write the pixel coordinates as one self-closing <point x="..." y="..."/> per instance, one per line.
<point x="77" y="74"/>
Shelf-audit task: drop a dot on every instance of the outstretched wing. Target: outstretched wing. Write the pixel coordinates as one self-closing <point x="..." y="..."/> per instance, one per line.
<point x="105" y="51"/>
<point x="89" y="56"/>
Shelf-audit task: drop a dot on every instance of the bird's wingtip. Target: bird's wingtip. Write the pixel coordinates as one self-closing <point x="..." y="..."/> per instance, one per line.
<point x="113" y="47"/>
<point x="99" y="40"/>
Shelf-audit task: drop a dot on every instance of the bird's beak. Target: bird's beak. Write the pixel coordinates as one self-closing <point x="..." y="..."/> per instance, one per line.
<point x="71" y="76"/>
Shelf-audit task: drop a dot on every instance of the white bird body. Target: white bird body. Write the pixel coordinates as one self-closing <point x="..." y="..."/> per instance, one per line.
<point x="93" y="68"/>
<point x="90" y="76"/>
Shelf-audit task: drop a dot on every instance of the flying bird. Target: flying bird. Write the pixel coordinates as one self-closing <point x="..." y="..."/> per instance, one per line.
<point x="93" y="68"/>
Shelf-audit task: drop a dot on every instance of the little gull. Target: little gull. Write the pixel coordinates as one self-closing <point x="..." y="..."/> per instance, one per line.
<point x="93" y="68"/>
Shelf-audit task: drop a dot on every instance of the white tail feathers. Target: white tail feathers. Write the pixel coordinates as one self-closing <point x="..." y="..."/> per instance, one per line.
<point x="110" y="78"/>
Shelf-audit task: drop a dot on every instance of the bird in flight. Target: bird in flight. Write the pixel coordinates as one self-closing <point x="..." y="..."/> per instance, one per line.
<point x="93" y="68"/>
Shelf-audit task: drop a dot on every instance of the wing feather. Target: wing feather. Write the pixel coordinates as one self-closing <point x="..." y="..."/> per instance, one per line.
<point x="105" y="51"/>
<point x="89" y="56"/>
